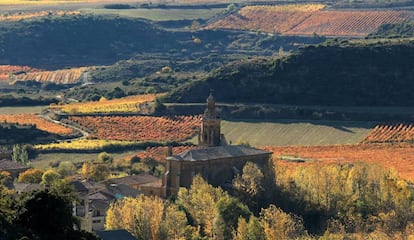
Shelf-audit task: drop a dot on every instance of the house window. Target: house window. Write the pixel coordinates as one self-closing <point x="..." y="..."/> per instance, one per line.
<point x="97" y="213"/>
<point x="96" y="221"/>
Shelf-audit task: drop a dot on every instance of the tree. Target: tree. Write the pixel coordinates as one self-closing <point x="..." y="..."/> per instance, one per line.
<point x="211" y="209"/>
<point x="4" y="177"/>
<point x="105" y="157"/>
<point x="175" y="222"/>
<point x="147" y="218"/>
<point x="99" y="172"/>
<point x="50" y="176"/>
<point x="249" y="186"/>
<point x="20" y="154"/>
<point x="230" y="7"/>
<point x="251" y="230"/>
<point x="255" y="230"/>
<point x="95" y="171"/>
<point x="31" y="176"/>
<point x="280" y="225"/>
<point x="200" y="203"/>
<point x="66" y="168"/>
<point x="241" y="232"/>
<point x="43" y="212"/>
<point x="229" y="210"/>
<point x="47" y="216"/>
<point x="7" y="213"/>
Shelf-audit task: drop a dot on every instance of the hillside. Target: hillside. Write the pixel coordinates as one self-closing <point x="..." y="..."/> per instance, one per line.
<point x="397" y="30"/>
<point x="55" y="42"/>
<point x="344" y="74"/>
<point x="76" y="40"/>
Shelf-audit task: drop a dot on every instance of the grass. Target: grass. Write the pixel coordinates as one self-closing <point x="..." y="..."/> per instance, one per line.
<point x="21" y="110"/>
<point x="158" y="14"/>
<point x="292" y="132"/>
<point x="42" y="160"/>
<point x="32" y="2"/>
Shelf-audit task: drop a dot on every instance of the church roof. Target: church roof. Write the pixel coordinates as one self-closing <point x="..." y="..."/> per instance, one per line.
<point x="210" y="153"/>
<point x="142" y="178"/>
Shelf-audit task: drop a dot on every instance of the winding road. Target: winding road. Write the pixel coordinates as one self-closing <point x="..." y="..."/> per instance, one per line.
<point x="84" y="133"/>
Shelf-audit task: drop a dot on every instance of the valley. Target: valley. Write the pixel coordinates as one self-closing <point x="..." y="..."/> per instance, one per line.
<point x="102" y="92"/>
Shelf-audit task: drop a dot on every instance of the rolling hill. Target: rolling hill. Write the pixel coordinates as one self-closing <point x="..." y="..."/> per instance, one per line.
<point x="348" y="73"/>
<point x="291" y="132"/>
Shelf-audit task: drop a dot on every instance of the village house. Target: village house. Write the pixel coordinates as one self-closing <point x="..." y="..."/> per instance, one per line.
<point x="143" y="182"/>
<point x="95" y="199"/>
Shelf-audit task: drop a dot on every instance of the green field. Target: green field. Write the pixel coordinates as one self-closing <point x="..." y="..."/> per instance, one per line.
<point x="43" y="160"/>
<point x="292" y="132"/>
<point x="158" y="14"/>
<point x="18" y="110"/>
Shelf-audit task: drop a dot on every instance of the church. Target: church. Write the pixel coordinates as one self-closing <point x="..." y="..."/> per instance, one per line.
<point x="216" y="161"/>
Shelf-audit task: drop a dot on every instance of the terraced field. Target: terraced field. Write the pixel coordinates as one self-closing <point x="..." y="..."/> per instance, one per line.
<point x="7" y="70"/>
<point x="65" y="76"/>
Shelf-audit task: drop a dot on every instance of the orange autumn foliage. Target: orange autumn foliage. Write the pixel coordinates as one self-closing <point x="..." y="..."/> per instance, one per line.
<point x="141" y="128"/>
<point x="5" y="70"/>
<point x="396" y="132"/>
<point x="32" y="119"/>
<point x="397" y="156"/>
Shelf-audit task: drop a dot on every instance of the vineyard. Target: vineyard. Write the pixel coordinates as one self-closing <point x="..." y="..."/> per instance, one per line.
<point x="140" y="128"/>
<point x="7" y="70"/>
<point x="40" y="123"/>
<point x="120" y="105"/>
<point x="87" y="145"/>
<point x="65" y="76"/>
<point x="396" y="156"/>
<point x="274" y="19"/>
<point x="25" y="15"/>
<point x="309" y="19"/>
<point x="347" y="23"/>
<point x="397" y="132"/>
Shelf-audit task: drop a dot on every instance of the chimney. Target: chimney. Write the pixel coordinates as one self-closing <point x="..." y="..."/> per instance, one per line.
<point x="170" y="151"/>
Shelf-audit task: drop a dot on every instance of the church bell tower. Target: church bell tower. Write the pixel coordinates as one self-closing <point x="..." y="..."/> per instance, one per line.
<point x="210" y="135"/>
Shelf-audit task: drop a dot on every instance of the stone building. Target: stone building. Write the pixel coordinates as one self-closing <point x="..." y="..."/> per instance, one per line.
<point x="215" y="160"/>
<point x="210" y="132"/>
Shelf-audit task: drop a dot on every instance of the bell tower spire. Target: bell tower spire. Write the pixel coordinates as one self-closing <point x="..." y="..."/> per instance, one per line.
<point x="210" y="134"/>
